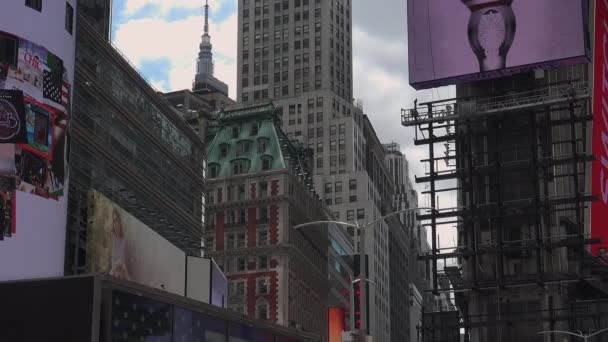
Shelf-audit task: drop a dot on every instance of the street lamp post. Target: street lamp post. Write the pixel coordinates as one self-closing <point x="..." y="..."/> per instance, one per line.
<point x="362" y="269"/>
<point x="584" y="337"/>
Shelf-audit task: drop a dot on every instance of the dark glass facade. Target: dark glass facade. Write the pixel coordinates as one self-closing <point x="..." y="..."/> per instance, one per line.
<point x="99" y="13"/>
<point x="130" y="145"/>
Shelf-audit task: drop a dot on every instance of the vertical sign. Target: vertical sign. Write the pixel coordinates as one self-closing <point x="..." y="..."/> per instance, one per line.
<point x="357" y="291"/>
<point x="599" y="182"/>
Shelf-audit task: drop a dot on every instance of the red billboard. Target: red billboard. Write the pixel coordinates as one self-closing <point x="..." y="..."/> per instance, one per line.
<point x="599" y="182"/>
<point x="336" y="324"/>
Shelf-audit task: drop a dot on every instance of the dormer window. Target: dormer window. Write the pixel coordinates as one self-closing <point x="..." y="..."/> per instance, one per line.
<point x="266" y="162"/>
<point x="262" y="144"/>
<point x="254" y="128"/>
<point x="235" y="132"/>
<point x="243" y="147"/>
<point x="214" y="170"/>
<point x="240" y="166"/>
<point x="223" y="151"/>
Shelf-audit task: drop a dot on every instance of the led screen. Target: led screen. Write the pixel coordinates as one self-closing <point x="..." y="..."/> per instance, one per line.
<point x="453" y="41"/>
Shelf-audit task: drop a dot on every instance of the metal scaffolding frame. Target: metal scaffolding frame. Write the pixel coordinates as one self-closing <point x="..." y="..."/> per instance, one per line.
<point x="485" y="167"/>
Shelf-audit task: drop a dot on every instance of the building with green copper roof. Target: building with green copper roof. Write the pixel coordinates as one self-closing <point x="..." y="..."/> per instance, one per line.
<point x="259" y="187"/>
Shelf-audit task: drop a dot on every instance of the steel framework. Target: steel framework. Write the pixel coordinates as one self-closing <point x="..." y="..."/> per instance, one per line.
<point x="519" y="166"/>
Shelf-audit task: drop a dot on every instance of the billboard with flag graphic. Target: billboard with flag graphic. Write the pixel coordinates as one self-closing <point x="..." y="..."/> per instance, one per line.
<point x="37" y="55"/>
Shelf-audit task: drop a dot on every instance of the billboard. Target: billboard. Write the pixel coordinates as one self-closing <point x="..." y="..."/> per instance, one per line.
<point x="599" y="170"/>
<point x="36" y="77"/>
<point x="219" y="286"/>
<point x="124" y="247"/>
<point x="453" y="41"/>
<point x="335" y="317"/>
<point x="206" y="282"/>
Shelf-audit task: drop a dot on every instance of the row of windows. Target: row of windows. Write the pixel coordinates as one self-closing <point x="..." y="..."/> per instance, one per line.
<point x="338" y="200"/>
<point x="333" y="161"/>
<point x="337" y="187"/>
<point x="240" y="166"/>
<point x="243" y="147"/>
<point x="239" y="264"/>
<point x="350" y="214"/>
<point x="238" y="241"/>
<point x="239" y="288"/>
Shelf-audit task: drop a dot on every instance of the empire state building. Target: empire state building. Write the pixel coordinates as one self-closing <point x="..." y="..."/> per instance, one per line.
<point x="204" y="81"/>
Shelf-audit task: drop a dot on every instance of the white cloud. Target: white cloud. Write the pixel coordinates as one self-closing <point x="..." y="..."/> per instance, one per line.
<point x="164" y="6"/>
<point x="178" y="42"/>
<point x="381" y="82"/>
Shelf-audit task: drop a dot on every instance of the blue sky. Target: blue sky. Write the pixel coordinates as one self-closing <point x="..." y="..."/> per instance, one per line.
<point x="137" y="22"/>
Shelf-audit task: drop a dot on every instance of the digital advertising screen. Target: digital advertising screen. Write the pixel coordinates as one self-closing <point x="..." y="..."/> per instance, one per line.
<point x="36" y="77"/>
<point x="599" y="169"/>
<point x="454" y="41"/>
<point x="124" y="247"/>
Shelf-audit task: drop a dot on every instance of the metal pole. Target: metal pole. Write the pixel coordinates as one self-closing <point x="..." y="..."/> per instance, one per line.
<point x="363" y="283"/>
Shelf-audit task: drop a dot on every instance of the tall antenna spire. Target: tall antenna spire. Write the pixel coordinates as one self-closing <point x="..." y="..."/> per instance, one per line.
<point x="207" y="17"/>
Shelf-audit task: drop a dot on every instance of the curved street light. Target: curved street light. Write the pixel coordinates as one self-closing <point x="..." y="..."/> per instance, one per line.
<point x="362" y="269"/>
<point x="584" y="337"/>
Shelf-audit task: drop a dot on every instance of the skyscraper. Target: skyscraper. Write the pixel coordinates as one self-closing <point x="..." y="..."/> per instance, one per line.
<point x="205" y="81"/>
<point x="299" y="54"/>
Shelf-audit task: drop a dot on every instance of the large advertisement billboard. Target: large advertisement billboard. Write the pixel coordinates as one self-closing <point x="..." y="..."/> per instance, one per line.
<point x="36" y="77"/>
<point x="124" y="247"/>
<point x="599" y="182"/>
<point x="453" y="41"/>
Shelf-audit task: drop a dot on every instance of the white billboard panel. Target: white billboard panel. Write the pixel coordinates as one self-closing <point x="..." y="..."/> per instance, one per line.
<point x="37" y="55"/>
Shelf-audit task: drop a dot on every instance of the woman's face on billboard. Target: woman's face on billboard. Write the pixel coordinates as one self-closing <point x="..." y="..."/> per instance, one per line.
<point x="116" y="224"/>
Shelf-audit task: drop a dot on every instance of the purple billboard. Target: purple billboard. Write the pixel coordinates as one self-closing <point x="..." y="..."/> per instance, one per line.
<point x="454" y="41"/>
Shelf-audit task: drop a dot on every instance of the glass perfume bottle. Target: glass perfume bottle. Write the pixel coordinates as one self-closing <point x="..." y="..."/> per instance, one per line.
<point x="491" y="31"/>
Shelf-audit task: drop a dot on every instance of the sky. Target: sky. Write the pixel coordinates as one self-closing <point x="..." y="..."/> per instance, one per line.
<point x="161" y="38"/>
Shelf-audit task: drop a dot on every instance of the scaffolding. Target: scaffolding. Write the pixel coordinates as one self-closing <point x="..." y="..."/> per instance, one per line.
<point x="518" y="164"/>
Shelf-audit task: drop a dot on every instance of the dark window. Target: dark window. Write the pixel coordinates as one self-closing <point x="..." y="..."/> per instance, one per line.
<point x="350" y="215"/>
<point x="262" y="311"/>
<point x="353" y="198"/>
<point x="266" y="162"/>
<point x="8" y="50"/>
<point x="262" y="262"/>
<point x="35" y="4"/>
<point x="360" y="214"/>
<point x="262" y="238"/>
<point x="69" y="18"/>
<point x="352" y="184"/>
<point x="240" y="264"/>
